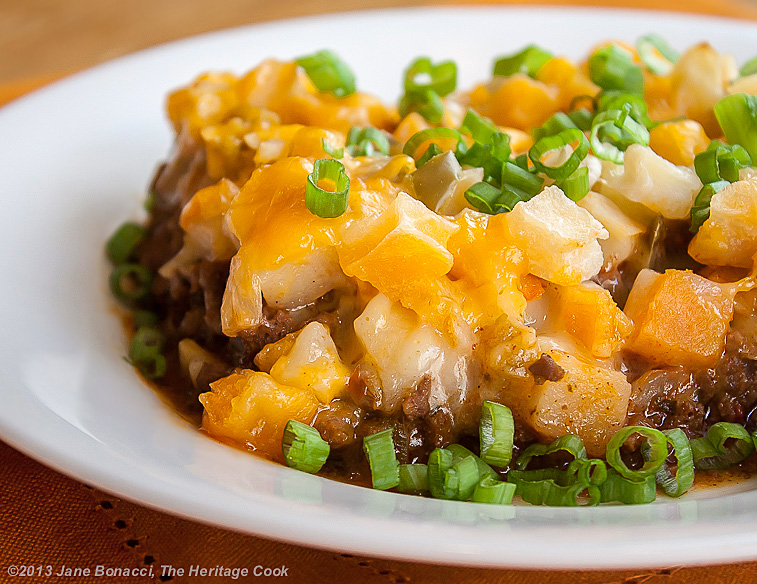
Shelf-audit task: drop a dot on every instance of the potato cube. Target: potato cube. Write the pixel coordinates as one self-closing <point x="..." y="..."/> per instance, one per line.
<point x="250" y="409"/>
<point x="558" y="236"/>
<point x="729" y="236"/>
<point x="679" y="318"/>
<point x="590" y="401"/>
<point x="590" y="314"/>
<point x="313" y="364"/>
<point x="624" y="232"/>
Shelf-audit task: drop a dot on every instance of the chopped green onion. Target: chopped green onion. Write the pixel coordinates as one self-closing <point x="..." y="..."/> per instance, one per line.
<point x="439" y="463"/>
<point x="123" y="243"/>
<point x="490" y="156"/>
<point x="748" y="68"/>
<point x="612" y="68"/>
<point x="654" y="457"/>
<point x="496" y="430"/>
<point x="700" y="212"/>
<point x="322" y="202"/>
<point x="142" y="318"/>
<point x="467" y="477"/>
<point x="528" y="61"/>
<point x="573" y="445"/>
<point x="576" y="186"/>
<point x="483" y="197"/>
<point x="721" y="162"/>
<point x="522" y="161"/>
<point x="303" y="447"/>
<point x="658" y="56"/>
<point x="145" y="352"/>
<point x="431" y="151"/>
<point x="379" y="449"/>
<point x="725" y="445"/>
<point x="430" y="134"/>
<point x="548" y="492"/>
<point x="582" y="118"/>
<point x="459" y="452"/>
<point x="423" y="74"/>
<point x="366" y="142"/>
<point x="617" y="100"/>
<point x="628" y="491"/>
<point x="330" y="150"/>
<point x="737" y="116"/>
<point x="515" y="176"/>
<point x="510" y="197"/>
<point x="551" y="143"/>
<point x="481" y="129"/>
<point x="588" y="472"/>
<point x="677" y="484"/>
<point x="413" y="478"/>
<point x="424" y="101"/>
<point x="328" y="73"/>
<point x="149" y="203"/>
<point x="554" y="125"/>
<point x="613" y="131"/>
<point x="493" y="491"/>
<point x="130" y="282"/>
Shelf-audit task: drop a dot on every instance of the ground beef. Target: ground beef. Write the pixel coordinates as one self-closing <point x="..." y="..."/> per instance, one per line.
<point x="416" y="405"/>
<point x="545" y="368"/>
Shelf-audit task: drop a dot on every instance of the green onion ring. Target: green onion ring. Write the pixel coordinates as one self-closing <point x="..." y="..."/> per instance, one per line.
<point x="327" y="204"/>
<point x="496" y="430"/>
<point x="551" y="143"/>
<point x="303" y="447"/>
<point x="677" y="484"/>
<point x="654" y="458"/>
<point x="711" y="452"/>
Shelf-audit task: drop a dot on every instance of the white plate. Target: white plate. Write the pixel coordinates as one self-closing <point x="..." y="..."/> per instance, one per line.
<point x="76" y="159"/>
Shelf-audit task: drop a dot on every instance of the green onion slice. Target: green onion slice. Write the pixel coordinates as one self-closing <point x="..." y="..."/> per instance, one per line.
<point x="432" y="150"/>
<point x="612" y="68"/>
<point x="725" y="445"/>
<point x="654" y="457"/>
<point x="576" y="186"/>
<point x="582" y="118"/>
<point x="658" y="56"/>
<point x="514" y="176"/>
<point x="130" y="282"/>
<point x="617" y="100"/>
<point x="528" y="61"/>
<point x="613" y="131"/>
<point x="494" y="492"/>
<point x="676" y="484"/>
<point x="413" y="478"/>
<point x="423" y="74"/>
<point x="439" y="463"/>
<point x="496" y="430"/>
<point x="330" y="150"/>
<point x="588" y="472"/>
<point x="322" y="202"/>
<point x="700" y="212"/>
<point x="554" y="125"/>
<point x="431" y="134"/>
<point x="628" y="491"/>
<point x="303" y="447"/>
<point x="548" y="492"/>
<point x="142" y="318"/>
<point x="568" y="443"/>
<point x="748" y="68"/>
<point x="424" y="101"/>
<point x="379" y="449"/>
<point x="721" y="162"/>
<point x="145" y="352"/>
<point x="328" y="73"/>
<point x="123" y="243"/>
<point x="459" y="452"/>
<point x="571" y="137"/>
<point x="737" y="116"/>
<point x="483" y="197"/>
<point x="481" y="129"/>
<point x="366" y="142"/>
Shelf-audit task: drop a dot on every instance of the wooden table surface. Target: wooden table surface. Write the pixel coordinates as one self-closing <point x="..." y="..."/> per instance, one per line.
<point x="46" y="518"/>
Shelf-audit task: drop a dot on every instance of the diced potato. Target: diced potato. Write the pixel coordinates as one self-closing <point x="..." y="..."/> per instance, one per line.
<point x="558" y="237"/>
<point x="403" y="349"/>
<point x="679" y="141"/>
<point x="624" y="232"/>
<point x="698" y="82"/>
<point x="242" y="305"/>
<point x="679" y="318"/>
<point x="590" y="314"/>
<point x="192" y="358"/>
<point x="313" y="364"/>
<point x="648" y="178"/>
<point x="271" y="353"/>
<point x="203" y="220"/>
<point x="729" y="236"/>
<point x="589" y="401"/>
<point x="250" y="409"/>
<point x="404" y="244"/>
